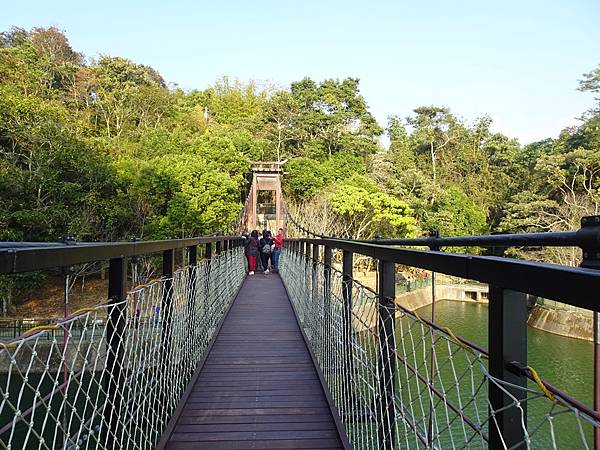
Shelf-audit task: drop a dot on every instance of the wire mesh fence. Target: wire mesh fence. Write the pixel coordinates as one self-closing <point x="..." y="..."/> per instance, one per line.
<point x="56" y="384"/>
<point x="400" y="381"/>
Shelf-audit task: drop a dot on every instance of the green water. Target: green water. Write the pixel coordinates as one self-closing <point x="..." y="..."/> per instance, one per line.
<point x="564" y="362"/>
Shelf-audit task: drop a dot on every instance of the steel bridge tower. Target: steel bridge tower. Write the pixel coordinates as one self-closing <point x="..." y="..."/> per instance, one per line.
<point x="264" y="204"/>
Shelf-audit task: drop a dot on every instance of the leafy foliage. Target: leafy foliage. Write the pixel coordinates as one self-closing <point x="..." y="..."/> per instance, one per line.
<point x="107" y="150"/>
<point x="367" y="211"/>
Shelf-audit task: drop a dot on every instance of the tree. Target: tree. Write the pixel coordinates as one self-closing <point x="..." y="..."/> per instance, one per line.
<point x="281" y="112"/>
<point x="433" y="127"/>
<point x="231" y="102"/>
<point x="333" y="118"/>
<point x="591" y="82"/>
<point x="305" y="177"/>
<point x="367" y="211"/>
<point x="54" y="45"/>
<point x="15" y="37"/>
<point x="123" y="96"/>
<point x="53" y="183"/>
<point x="455" y="214"/>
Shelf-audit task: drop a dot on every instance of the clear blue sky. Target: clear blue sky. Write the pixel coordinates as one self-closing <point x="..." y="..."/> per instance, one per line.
<point x="518" y="61"/>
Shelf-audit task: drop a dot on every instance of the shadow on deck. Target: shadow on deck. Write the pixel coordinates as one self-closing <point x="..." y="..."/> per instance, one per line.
<point x="258" y="387"/>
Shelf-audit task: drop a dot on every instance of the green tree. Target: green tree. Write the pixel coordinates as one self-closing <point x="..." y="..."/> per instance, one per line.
<point x="305" y="177"/>
<point x="455" y="214"/>
<point x="334" y="117"/>
<point x="367" y="211"/>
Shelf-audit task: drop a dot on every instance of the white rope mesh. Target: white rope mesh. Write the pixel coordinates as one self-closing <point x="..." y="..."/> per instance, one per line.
<point x="58" y="396"/>
<point x="440" y="393"/>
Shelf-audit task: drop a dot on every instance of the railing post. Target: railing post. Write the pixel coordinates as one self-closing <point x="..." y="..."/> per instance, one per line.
<point x="507" y="344"/>
<point x="387" y="350"/>
<point x="590" y="226"/>
<point x="433" y="234"/>
<point x="315" y="280"/>
<point x="191" y="303"/>
<point x="348" y="363"/>
<point x="327" y="257"/>
<point x="168" y="269"/>
<point x="308" y="265"/>
<point x="218" y="247"/>
<point x="206" y="297"/>
<point x="115" y="347"/>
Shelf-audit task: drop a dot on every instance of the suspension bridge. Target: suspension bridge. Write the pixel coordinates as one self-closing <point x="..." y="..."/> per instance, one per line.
<point x="204" y="357"/>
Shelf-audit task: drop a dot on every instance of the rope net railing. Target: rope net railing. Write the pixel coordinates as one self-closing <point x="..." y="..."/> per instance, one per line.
<point x="400" y="381"/>
<point x="58" y="384"/>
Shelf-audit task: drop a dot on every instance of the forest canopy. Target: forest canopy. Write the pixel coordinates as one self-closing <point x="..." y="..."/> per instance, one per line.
<point x="106" y="149"/>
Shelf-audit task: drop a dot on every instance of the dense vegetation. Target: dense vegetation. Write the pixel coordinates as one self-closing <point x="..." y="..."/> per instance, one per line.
<point x="106" y="149"/>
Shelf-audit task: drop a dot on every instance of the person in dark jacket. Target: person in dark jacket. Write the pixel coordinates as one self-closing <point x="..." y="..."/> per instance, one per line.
<point x="251" y="251"/>
<point x="265" y="245"/>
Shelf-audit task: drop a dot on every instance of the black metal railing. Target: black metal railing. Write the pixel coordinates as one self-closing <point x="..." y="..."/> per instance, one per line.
<point x="109" y="376"/>
<point x="505" y="360"/>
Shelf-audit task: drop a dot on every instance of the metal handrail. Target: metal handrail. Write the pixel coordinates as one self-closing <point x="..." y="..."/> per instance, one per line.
<point x="571" y="285"/>
<point x="16" y="257"/>
<point x="586" y="237"/>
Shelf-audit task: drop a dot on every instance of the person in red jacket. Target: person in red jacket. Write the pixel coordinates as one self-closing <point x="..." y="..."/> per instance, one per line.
<point x="278" y="242"/>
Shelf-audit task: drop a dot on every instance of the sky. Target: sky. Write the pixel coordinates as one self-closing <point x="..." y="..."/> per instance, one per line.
<point x="518" y="61"/>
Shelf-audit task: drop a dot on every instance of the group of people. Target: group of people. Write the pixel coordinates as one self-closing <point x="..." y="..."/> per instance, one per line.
<point x="267" y="247"/>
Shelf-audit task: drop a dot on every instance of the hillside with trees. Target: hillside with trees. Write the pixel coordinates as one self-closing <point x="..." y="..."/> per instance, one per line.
<point x="106" y="149"/>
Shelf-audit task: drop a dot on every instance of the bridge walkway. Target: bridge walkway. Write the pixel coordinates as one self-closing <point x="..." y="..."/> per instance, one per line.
<point x="258" y="387"/>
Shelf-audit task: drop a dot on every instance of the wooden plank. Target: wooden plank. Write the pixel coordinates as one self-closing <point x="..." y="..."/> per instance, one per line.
<point x="264" y="418"/>
<point x="253" y="411"/>
<point x="266" y="384"/>
<point x="299" y="444"/>
<point x="230" y="427"/>
<point x="253" y="435"/>
<point x="258" y="387"/>
<point x="258" y="376"/>
<point x="258" y="393"/>
<point x="190" y="405"/>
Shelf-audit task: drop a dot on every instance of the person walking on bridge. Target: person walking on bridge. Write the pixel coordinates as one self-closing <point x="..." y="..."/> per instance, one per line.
<point x="266" y="247"/>
<point x="251" y="251"/>
<point x="278" y="241"/>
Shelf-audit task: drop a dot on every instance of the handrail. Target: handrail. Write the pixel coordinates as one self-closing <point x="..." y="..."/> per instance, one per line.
<point x="509" y="280"/>
<point x="581" y="238"/>
<point x="571" y="285"/>
<point x="586" y="237"/>
<point x="29" y="256"/>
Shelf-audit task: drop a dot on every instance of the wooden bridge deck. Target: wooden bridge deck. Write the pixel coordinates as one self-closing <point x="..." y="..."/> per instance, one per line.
<point x="258" y="387"/>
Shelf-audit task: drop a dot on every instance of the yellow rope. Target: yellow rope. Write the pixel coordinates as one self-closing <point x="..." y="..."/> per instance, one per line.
<point x="540" y="383"/>
<point x="453" y="336"/>
<point x="146" y="285"/>
<point x="419" y="319"/>
<point x="458" y="341"/>
<point x="534" y="373"/>
<point x="44" y="328"/>
<point x="84" y="310"/>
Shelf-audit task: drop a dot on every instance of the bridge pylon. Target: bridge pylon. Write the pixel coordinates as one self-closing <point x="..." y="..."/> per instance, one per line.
<point x="264" y="205"/>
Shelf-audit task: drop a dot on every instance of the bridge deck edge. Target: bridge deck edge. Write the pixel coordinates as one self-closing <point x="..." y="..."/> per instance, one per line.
<point x="168" y="431"/>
